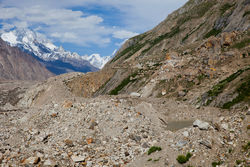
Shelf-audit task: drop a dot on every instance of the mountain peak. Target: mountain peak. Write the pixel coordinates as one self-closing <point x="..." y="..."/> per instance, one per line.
<point x="39" y="46"/>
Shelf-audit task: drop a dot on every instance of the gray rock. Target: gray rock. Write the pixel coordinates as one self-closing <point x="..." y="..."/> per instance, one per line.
<point x="186" y="134"/>
<point x="181" y="143"/>
<point x="50" y="163"/>
<point x="78" y="158"/>
<point x="145" y="145"/>
<point x="224" y="126"/>
<point x="89" y="163"/>
<point x="181" y="93"/>
<point x="201" y="125"/>
<point x="248" y="112"/>
<point x="135" y="137"/>
<point x="92" y="125"/>
<point x="135" y="94"/>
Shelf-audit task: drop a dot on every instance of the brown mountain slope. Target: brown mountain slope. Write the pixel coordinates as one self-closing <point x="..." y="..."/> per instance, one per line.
<point x="17" y="65"/>
<point x="193" y="49"/>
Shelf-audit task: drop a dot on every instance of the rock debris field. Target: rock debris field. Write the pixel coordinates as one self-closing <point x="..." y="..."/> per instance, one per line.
<point x="119" y="131"/>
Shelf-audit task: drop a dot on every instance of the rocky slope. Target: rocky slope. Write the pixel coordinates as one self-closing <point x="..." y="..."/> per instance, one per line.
<point x="17" y="65"/>
<point x="196" y="47"/>
<point x="49" y="126"/>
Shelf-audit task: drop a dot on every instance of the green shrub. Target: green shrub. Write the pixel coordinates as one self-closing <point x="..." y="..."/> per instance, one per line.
<point x="189" y="155"/>
<point x="238" y="162"/>
<point x="155" y="160"/>
<point x="183" y="159"/>
<point x="214" y="164"/>
<point x="154" y="149"/>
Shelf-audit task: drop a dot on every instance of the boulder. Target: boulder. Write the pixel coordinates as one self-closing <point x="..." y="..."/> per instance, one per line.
<point x="201" y="125"/>
<point x="135" y="94"/>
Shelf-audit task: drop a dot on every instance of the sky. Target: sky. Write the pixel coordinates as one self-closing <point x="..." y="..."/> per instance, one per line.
<point x="86" y="26"/>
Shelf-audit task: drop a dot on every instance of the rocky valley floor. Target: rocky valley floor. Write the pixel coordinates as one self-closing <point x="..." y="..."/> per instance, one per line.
<point x="120" y="131"/>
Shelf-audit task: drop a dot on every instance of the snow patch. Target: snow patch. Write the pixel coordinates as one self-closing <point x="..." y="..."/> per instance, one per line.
<point x="10" y="37"/>
<point x="96" y="60"/>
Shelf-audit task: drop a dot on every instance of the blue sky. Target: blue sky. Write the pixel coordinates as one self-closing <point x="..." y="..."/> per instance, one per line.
<point x="86" y="26"/>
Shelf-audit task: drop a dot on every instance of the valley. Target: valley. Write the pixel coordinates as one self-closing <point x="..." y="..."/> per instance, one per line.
<point x="176" y="95"/>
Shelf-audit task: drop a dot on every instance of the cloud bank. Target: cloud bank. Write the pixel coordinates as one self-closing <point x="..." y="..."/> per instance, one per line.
<point x="60" y="21"/>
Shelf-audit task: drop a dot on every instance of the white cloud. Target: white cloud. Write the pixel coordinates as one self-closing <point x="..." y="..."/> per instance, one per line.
<point x="60" y="24"/>
<point x="123" y="34"/>
<point x="57" y="21"/>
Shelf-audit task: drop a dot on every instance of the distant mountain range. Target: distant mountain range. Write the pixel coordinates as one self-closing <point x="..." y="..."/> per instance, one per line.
<point x="17" y="65"/>
<point x="55" y="59"/>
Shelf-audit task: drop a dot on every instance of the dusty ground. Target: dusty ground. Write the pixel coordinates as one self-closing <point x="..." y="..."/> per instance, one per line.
<point x="56" y="129"/>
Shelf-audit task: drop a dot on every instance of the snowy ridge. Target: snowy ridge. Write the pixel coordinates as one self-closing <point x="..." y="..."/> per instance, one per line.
<point x="96" y="60"/>
<point x="40" y="46"/>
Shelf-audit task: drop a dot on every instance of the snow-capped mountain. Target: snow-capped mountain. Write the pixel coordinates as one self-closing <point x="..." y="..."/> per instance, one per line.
<point x="56" y="59"/>
<point x="96" y="60"/>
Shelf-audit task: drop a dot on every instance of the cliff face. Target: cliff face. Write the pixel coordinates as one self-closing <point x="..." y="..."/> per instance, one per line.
<point x="193" y="49"/>
<point x="17" y="65"/>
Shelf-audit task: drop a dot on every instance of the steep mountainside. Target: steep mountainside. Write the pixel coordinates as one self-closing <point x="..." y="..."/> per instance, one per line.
<point x="56" y="59"/>
<point x="17" y="65"/>
<point x="197" y="46"/>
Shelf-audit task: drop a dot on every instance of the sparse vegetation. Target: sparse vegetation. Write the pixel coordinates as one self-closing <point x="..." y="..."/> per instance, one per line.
<point x="225" y="7"/>
<point x="241" y="44"/>
<point x="246" y="147"/>
<point x="188" y="34"/>
<point x="196" y="12"/>
<point x="238" y="162"/>
<point x="170" y="34"/>
<point x="213" y="32"/>
<point x="157" y="40"/>
<point x="183" y="159"/>
<point x="201" y="77"/>
<point x="125" y="82"/>
<point x="246" y="13"/>
<point x="185" y="38"/>
<point x="129" y="50"/>
<point x="217" y="89"/>
<point x="155" y="160"/>
<point x="214" y="164"/>
<point x="133" y="48"/>
<point x="243" y="94"/>
<point x="153" y="149"/>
